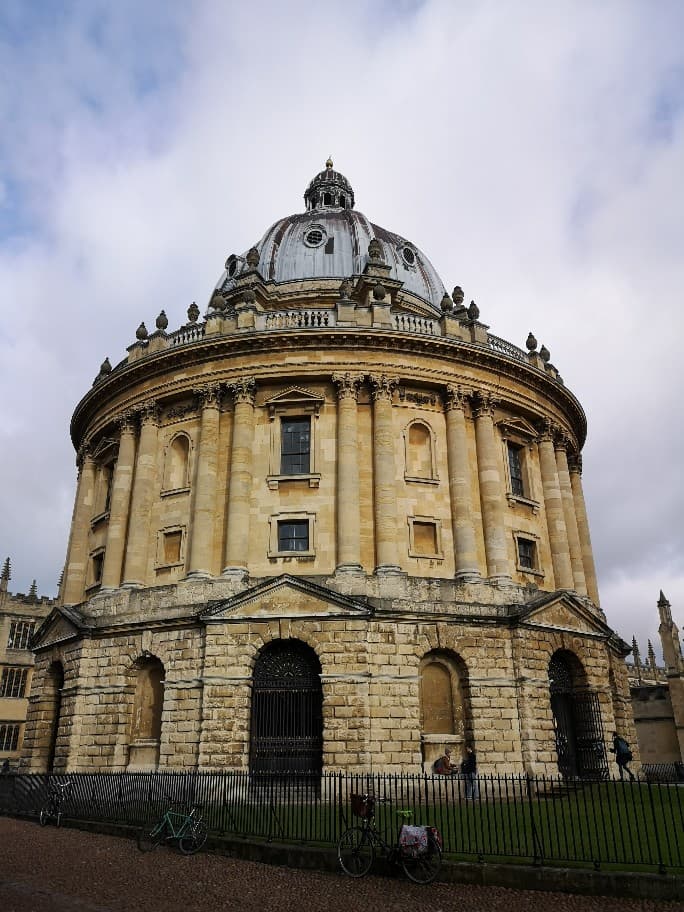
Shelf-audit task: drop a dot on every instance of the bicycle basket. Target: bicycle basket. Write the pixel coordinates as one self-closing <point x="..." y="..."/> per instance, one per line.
<point x="362" y="806"/>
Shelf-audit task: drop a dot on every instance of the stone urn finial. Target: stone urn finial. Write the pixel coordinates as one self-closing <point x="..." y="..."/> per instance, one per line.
<point x="457" y="296"/>
<point x="141" y="332"/>
<point x="248" y="297"/>
<point x="545" y="354"/>
<point x="253" y="258"/>
<point x="473" y="311"/>
<point x="375" y="250"/>
<point x="447" y="304"/>
<point x="193" y="313"/>
<point x="379" y="291"/>
<point x="531" y="343"/>
<point x="162" y="321"/>
<point x="345" y="290"/>
<point x="106" y="367"/>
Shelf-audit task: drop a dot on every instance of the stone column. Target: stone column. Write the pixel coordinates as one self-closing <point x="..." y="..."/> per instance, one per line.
<point x="348" y="505"/>
<point x="144" y="490"/>
<point x="570" y="518"/>
<point x="77" y="554"/>
<point x="555" y="517"/>
<point x="492" y="494"/>
<point x="204" y="505"/>
<point x="240" y="482"/>
<point x="119" y="507"/>
<point x="465" y="549"/>
<point x="384" y="476"/>
<point x="583" y="529"/>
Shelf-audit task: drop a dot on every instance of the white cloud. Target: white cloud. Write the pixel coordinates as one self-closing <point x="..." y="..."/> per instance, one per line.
<point x="532" y="151"/>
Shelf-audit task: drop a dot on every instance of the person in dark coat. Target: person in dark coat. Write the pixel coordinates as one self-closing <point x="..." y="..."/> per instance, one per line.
<point x="623" y="756"/>
<point x="469" y="770"/>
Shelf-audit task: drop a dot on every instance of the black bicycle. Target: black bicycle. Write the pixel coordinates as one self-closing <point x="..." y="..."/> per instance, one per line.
<point x="417" y="850"/>
<point x="52" y="809"/>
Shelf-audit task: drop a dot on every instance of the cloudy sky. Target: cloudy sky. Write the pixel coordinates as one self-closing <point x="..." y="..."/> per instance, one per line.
<point x="534" y="150"/>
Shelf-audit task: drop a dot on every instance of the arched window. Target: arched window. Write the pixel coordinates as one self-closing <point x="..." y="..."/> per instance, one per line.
<point x="420" y="463"/>
<point x="176" y="469"/>
<point x="343" y="201"/>
<point x="327" y="199"/>
<point x="445" y="716"/>
<point x="146" y="722"/>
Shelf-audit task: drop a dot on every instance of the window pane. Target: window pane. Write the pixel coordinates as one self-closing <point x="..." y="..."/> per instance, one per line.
<point x="293" y="536"/>
<point x="515" y="466"/>
<point x="295" y="446"/>
<point x="20" y="634"/>
<point x="526" y="554"/>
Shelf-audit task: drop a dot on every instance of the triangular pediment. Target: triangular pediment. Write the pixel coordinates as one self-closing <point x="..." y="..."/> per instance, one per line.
<point x="286" y="597"/>
<point x="59" y="626"/>
<point x="295" y="396"/>
<point x="517" y="427"/>
<point x="563" y="611"/>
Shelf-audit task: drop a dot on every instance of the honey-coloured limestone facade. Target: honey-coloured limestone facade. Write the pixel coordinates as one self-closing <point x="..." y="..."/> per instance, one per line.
<point x="336" y="524"/>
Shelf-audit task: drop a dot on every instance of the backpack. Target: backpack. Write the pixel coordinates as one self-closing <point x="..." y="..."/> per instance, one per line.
<point x="438" y="766"/>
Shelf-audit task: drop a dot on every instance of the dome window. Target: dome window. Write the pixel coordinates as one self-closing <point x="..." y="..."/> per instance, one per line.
<point x="314" y="237"/>
<point x="231" y="266"/>
<point x="408" y="256"/>
<point x="343" y="201"/>
<point x="327" y="199"/>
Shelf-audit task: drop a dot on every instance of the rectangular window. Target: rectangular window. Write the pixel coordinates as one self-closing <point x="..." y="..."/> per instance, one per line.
<point x="172" y="547"/>
<point x="13" y="682"/>
<point x="293" y="535"/>
<point x="527" y="553"/>
<point x="9" y="736"/>
<point x="295" y="448"/>
<point x="20" y="634"/>
<point x="98" y="562"/>
<point x="515" y="467"/>
<point x="425" y="538"/>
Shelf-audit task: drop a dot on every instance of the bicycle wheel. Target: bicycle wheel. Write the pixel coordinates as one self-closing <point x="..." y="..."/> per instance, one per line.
<point x="193" y="840"/>
<point x="423" y="868"/>
<point x="44" y="816"/>
<point x="355" y="852"/>
<point x="151" y="835"/>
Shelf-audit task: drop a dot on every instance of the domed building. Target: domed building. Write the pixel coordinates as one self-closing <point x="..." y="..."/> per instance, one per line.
<point x="336" y="524"/>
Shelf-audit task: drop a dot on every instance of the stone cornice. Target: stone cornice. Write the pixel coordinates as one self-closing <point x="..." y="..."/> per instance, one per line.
<point x="447" y="351"/>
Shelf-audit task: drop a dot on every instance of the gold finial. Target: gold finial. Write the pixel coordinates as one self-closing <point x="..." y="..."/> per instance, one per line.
<point x="329" y="162"/>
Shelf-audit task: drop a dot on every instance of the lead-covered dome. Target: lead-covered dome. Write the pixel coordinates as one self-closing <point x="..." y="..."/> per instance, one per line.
<point x="330" y="241"/>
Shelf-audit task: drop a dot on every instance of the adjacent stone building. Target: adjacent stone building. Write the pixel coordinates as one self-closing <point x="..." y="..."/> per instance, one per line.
<point x="658" y="696"/>
<point x="20" y="616"/>
<point x="334" y="524"/>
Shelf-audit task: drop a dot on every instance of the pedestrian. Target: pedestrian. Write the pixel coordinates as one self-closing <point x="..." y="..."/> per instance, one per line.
<point x="443" y="765"/>
<point x="469" y="770"/>
<point x="623" y="756"/>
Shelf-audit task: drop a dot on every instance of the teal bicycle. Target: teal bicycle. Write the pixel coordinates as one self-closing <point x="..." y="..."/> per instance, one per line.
<point x="187" y="828"/>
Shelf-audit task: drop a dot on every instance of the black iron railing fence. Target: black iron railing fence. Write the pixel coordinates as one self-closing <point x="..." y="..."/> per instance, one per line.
<point x="634" y="825"/>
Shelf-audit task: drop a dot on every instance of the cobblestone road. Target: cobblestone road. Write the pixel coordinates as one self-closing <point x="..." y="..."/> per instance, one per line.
<point x="65" y="870"/>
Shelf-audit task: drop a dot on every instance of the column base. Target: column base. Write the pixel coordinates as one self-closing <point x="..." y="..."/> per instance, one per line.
<point x="235" y="574"/>
<point x="131" y="584"/>
<point x="198" y="575"/>
<point x="501" y="580"/>
<point x="389" y="570"/>
<point x="468" y="576"/>
<point x="346" y="569"/>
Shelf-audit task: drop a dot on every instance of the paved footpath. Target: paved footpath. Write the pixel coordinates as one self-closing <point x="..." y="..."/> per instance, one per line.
<point x="65" y="870"/>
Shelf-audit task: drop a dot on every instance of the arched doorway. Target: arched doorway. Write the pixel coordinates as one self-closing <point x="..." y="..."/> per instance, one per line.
<point x="576" y="720"/>
<point x="287" y="710"/>
<point x="53" y="693"/>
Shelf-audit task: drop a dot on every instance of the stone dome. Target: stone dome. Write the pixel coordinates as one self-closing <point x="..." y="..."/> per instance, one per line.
<point x="330" y="241"/>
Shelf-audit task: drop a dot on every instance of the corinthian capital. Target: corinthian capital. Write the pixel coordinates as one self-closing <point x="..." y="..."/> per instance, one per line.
<point x="126" y="422"/>
<point x="347" y="385"/>
<point x="561" y="440"/>
<point x="243" y="390"/>
<point x="483" y="402"/>
<point x="149" y="412"/>
<point x="85" y="452"/>
<point x="209" y="395"/>
<point x="455" y="397"/>
<point x="382" y="386"/>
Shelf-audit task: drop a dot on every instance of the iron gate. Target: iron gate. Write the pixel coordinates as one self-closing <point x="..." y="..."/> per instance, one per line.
<point x="287" y="711"/>
<point x="578" y="727"/>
